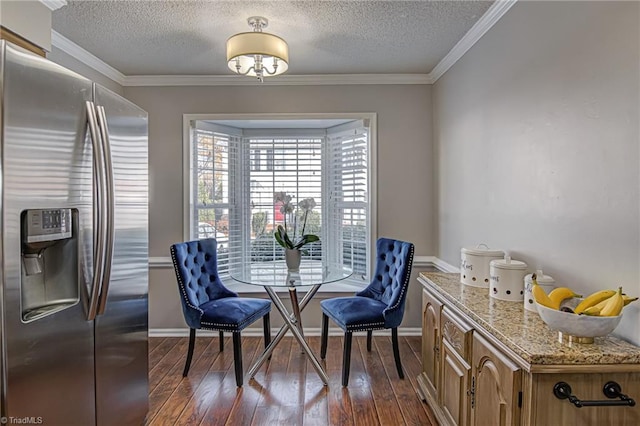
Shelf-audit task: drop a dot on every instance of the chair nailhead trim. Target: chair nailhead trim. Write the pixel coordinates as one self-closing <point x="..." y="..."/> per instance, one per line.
<point x="234" y="329"/>
<point x="362" y="327"/>
<point x="235" y="326"/>
<point x="181" y="283"/>
<point x="219" y="325"/>
<point x="405" y="285"/>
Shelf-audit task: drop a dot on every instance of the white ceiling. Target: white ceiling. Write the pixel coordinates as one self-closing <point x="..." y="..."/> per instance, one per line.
<point x="139" y="37"/>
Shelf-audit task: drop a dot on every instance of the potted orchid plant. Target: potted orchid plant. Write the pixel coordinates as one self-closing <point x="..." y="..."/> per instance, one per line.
<point x="287" y="236"/>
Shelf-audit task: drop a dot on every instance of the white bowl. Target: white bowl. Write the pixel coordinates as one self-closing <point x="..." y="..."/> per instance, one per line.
<point x="578" y="325"/>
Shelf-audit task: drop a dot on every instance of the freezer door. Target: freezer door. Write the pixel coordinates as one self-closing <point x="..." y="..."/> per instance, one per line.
<point x="48" y="364"/>
<point x="121" y="329"/>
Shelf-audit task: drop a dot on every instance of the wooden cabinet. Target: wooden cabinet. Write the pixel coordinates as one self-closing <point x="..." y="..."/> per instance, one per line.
<point x="464" y="379"/>
<point x="454" y="387"/>
<point x="500" y="366"/>
<point x="18" y="40"/>
<point x="495" y="388"/>
<point x="456" y="370"/>
<point x="431" y="309"/>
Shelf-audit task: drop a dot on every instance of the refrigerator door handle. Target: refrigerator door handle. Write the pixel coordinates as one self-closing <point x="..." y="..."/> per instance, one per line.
<point x="110" y="208"/>
<point x="98" y="207"/>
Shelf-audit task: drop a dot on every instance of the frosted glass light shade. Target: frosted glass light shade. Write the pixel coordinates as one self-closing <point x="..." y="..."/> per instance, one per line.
<point x="245" y="46"/>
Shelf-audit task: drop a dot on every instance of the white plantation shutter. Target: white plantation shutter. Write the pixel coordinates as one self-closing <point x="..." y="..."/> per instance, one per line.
<point x="236" y="174"/>
<point x="217" y="212"/>
<point x="290" y="165"/>
<point x="347" y="188"/>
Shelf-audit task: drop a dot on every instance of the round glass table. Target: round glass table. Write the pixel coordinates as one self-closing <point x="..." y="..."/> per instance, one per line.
<point x="276" y="274"/>
<point x="272" y="275"/>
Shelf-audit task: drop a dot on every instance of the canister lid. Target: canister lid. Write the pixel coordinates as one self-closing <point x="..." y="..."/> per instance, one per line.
<point x="541" y="278"/>
<point x="483" y="250"/>
<point x="507" y="263"/>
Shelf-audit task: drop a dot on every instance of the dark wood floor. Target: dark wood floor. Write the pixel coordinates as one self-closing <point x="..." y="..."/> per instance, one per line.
<point x="287" y="390"/>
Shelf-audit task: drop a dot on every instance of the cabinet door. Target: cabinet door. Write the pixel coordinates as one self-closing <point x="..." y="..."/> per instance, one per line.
<point x="496" y="383"/>
<point x="454" y="386"/>
<point x="431" y="342"/>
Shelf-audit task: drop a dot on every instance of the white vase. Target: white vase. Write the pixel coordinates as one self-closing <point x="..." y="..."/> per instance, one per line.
<point x="292" y="257"/>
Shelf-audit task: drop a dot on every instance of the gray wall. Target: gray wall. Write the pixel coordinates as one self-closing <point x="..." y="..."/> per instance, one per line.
<point x="31" y="20"/>
<point x="537" y="141"/>
<point x="405" y="179"/>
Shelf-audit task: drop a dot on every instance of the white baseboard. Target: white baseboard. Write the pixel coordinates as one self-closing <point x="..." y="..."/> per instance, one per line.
<point x="257" y="332"/>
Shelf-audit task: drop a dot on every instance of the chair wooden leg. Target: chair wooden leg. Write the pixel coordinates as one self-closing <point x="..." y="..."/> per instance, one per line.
<point x="192" y="343"/>
<point x="237" y="357"/>
<point x="369" y="336"/>
<point x="323" y="338"/>
<point x="221" y="334"/>
<point x="396" y="351"/>
<point x="346" y="358"/>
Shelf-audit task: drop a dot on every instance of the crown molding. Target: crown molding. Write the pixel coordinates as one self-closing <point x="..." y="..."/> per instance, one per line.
<point x="281" y="80"/>
<point x="77" y="52"/>
<point x="484" y="24"/>
<point x="54" y="4"/>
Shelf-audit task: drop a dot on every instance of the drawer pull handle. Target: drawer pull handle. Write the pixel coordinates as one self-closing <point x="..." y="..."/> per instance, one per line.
<point x="611" y="390"/>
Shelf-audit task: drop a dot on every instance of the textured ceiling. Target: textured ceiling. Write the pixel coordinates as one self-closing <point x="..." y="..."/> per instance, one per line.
<point x="325" y="37"/>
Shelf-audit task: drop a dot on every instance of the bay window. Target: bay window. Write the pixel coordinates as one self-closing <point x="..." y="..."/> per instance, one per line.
<point x="237" y="171"/>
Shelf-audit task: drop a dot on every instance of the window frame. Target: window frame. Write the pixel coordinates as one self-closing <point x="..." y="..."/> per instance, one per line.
<point x="188" y="167"/>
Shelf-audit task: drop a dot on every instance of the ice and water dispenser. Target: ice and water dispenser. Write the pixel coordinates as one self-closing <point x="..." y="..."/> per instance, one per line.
<point x="49" y="244"/>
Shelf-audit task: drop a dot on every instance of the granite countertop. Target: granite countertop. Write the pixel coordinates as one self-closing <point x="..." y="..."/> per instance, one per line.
<point x="523" y="331"/>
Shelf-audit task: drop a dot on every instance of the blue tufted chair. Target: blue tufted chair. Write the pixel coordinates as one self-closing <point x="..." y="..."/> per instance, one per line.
<point x="379" y="306"/>
<point x="207" y="304"/>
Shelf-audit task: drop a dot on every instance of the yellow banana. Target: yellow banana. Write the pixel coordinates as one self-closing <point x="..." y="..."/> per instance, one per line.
<point x="600" y="305"/>
<point x="625" y="298"/>
<point x="539" y="294"/>
<point x="593" y="299"/>
<point x="558" y="295"/>
<point x="614" y="305"/>
<point x="592" y="310"/>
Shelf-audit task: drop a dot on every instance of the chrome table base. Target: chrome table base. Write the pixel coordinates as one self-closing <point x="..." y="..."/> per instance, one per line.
<point x="293" y="322"/>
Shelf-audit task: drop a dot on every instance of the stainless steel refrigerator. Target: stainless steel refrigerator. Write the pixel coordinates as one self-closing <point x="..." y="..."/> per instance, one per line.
<point x="74" y="248"/>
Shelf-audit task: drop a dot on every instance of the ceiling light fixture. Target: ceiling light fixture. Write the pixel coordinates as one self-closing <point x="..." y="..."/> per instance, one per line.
<point x="257" y="54"/>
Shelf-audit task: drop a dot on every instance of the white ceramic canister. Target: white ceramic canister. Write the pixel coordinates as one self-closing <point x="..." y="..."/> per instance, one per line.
<point x="507" y="279"/>
<point x="474" y="265"/>
<point x="545" y="281"/>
